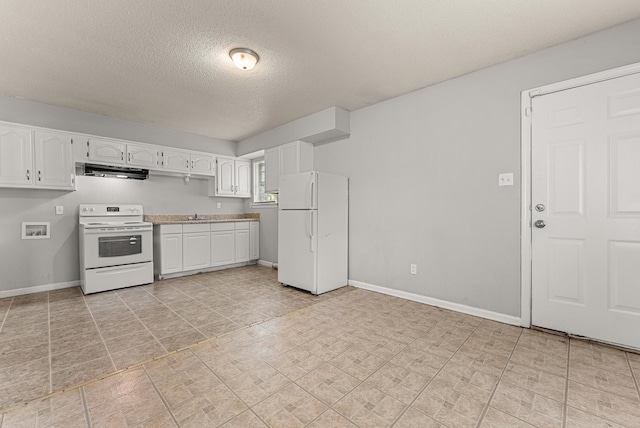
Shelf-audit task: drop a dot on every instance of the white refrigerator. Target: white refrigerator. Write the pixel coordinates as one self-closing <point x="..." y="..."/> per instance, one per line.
<point x="313" y="221"/>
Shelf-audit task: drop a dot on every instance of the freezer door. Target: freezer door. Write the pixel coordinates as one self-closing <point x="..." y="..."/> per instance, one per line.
<point x="297" y="249"/>
<point x="298" y="191"/>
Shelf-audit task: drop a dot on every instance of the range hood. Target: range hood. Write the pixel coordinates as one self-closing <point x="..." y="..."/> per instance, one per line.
<point x="115" y="171"/>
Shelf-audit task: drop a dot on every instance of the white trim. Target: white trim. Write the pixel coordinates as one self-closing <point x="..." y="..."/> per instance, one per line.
<point x="267" y="263"/>
<point x="38" y="289"/>
<point x="469" y="310"/>
<point x="525" y="147"/>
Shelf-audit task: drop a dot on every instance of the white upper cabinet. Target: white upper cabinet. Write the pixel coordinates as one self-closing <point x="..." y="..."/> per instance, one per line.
<point x="104" y="151"/>
<point x="290" y="158"/>
<point x="233" y="177"/>
<point x="16" y="156"/>
<point x="54" y="167"/>
<point x="203" y="164"/>
<point x="36" y="159"/>
<point x="174" y="160"/>
<point x="243" y="178"/>
<point x="142" y="156"/>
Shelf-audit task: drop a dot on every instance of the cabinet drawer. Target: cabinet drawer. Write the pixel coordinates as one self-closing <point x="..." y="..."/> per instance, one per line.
<point x="221" y="226"/>
<point x="197" y="227"/>
<point x="242" y="225"/>
<point x="170" y="228"/>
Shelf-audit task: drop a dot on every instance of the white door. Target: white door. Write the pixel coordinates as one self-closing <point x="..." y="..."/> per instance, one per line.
<point x="297" y="249"/>
<point x="106" y="151"/>
<point x="225" y="176"/>
<point x="175" y="161"/>
<point x="586" y="190"/>
<point x="298" y="191"/>
<point x="202" y="164"/>
<point x="243" y="178"/>
<point x="171" y="253"/>
<point x="196" y="250"/>
<point x="272" y="169"/>
<point x="142" y="156"/>
<point x="54" y="165"/>
<point x="223" y="247"/>
<point x="242" y="245"/>
<point x="16" y="162"/>
<point x="290" y="158"/>
<point x="254" y="240"/>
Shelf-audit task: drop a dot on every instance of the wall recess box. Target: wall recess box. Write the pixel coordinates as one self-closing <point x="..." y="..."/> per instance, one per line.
<point x="36" y="230"/>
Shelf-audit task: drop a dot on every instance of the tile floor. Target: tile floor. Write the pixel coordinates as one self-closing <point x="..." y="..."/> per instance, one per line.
<point x="353" y="358"/>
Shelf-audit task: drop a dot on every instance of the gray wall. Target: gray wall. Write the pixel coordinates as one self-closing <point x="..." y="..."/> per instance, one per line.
<point x="423" y="172"/>
<point x="28" y="263"/>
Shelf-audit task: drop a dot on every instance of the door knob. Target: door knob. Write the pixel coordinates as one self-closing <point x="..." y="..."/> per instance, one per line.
<point x="540" y="224"/>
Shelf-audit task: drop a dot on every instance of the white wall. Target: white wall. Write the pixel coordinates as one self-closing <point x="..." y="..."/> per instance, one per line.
<point x="29" y="263"/>
<point x="423" y="172"/>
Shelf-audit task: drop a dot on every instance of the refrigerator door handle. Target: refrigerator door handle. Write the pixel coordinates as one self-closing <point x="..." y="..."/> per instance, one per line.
<point x="311" y="229"/>
<point x="311" y="204"/>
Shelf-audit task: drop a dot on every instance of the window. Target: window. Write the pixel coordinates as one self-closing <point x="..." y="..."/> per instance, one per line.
<point x="259" y="184"/>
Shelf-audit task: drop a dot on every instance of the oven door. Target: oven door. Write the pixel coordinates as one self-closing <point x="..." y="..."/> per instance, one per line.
<point x="117" y="246"/>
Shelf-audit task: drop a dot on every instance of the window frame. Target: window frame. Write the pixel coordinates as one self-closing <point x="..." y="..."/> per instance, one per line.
<point x="255" y="200"/>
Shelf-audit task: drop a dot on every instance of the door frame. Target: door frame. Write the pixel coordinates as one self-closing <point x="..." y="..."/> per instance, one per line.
<point x="526" y="99"/>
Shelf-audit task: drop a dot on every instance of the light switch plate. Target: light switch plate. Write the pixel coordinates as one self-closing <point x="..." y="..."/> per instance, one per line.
<point x="59" y="210"/>
<point x="505" y="179"/>
<point x="219" y="205"/>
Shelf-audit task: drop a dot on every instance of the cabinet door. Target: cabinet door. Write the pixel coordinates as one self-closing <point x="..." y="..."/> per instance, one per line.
<point x="202" y="164"/>
<point x="242" y="245"/>
<point x="290" y="158"/>
<point x="225" y="177"/>
<point x="171" y="253"/>
<point x="54" y="164"/>
<point x="254" y="240"/>
<point x="16" y="156"/>
<point x="223" y="248"/>
<point x="243" y="178"/>
<point x="272" y="169"/>
<point x="175" y="161"/>
<point x="196" y="250"/>
<point x="106" y="151"/>
<point x="142" y="156"/>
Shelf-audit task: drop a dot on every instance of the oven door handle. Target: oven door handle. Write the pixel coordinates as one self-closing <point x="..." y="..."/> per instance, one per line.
<point x="121" y="231"/>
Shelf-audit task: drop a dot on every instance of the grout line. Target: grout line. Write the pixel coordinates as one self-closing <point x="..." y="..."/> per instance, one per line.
<point x="633" y="374"/>
<point x="566" y="385"/>
<point x="6" y="314"/>
<point x="495" y="388"/>
<point x="49" y="339"/>
<point x="164" y="402"/>
<point x="86" y="408"/>
<point x="84" y="300"/>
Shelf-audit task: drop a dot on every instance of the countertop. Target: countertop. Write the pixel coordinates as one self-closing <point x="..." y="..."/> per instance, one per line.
<point x="202" y="218"/>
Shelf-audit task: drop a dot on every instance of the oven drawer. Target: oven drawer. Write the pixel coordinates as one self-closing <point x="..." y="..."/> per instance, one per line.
<point x="111" y="278"/>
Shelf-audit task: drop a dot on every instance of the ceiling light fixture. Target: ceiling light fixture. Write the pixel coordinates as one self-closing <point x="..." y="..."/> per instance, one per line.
<point x="244" y="58"/>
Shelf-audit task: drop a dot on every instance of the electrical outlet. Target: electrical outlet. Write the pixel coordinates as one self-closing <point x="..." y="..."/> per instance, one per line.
<point x="505" y="179"/>
<point x="59" y="210"/>
<point x="414" y="269"/>
<point x="219" y="205"/>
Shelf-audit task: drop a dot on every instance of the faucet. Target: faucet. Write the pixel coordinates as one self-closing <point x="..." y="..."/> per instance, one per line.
<point x="195" y="216"/>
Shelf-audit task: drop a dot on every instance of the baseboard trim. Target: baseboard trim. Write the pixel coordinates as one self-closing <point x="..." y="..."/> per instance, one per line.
<point x="38" y="288"/>
<point x="469" y="310"/>
<point x="267" y="263"/>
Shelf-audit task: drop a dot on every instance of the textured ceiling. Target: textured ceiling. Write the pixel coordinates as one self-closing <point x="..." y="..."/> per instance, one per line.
<point x="165" y="62"/>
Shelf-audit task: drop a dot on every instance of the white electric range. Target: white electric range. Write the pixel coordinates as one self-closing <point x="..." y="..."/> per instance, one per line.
<point x="116" y="247"/>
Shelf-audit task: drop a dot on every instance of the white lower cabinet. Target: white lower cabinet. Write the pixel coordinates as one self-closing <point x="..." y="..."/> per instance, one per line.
<point x="223" y="244"/>
<point x="167" y="248"/>
<point x="188" y="247"/>
<point x="196" y="246"/>
<point x="254" y="240"/>
<point x="242" y="242"/>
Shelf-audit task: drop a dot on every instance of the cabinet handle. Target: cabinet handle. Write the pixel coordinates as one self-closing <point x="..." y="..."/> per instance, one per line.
<point x="39" y="175"/>
<point x="28" y="176"/>
<point x="121" y="155"/>
<point x="186" y="164"/>
<point x="128" y="157"/>
<point x="191" y="164"/>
